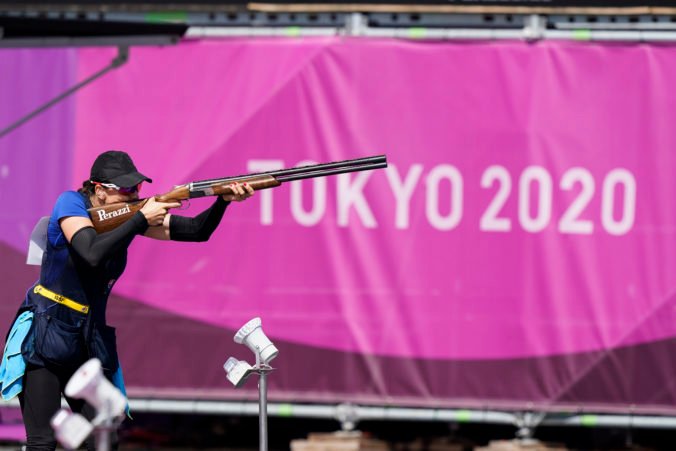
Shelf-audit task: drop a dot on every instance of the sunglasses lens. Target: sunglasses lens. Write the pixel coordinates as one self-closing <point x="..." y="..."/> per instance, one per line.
<point x="133" y="189"/>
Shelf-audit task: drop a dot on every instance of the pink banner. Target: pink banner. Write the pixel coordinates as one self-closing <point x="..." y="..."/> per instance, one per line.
<point x="524" y="225"/>
<point x="526" y="198"/>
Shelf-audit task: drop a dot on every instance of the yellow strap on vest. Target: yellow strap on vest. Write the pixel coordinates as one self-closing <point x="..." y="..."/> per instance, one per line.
<point x="39" y="289"/>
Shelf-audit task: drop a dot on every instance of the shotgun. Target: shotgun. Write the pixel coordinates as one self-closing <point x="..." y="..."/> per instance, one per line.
<point x="110" y="216"/>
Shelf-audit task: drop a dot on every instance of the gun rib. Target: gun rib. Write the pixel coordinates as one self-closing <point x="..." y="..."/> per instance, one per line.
<point x="324" y="172"/>
<point x="303" y="172"/>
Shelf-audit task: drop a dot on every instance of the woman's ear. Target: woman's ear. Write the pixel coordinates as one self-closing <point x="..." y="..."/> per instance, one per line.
<point x="100" y="193"/>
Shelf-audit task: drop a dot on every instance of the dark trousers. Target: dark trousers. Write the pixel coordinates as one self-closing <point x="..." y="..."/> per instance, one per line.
<point x="41" y="399"/>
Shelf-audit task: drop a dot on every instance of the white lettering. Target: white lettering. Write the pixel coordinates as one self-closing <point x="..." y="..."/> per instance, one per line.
<point x="403" y="190"/>
<point x="570" y="221"/>
<point x="436" y="175"/>
<point x="490" y="221"/>
<point x="309" y="202"/>
<point x="312" y="217"/>
<point x="113" y="214"/>
<point x="540" y="176"/>
<point x="625" y="179"/>
<point x="350" y="194"/>
<point x="265" y="195"/>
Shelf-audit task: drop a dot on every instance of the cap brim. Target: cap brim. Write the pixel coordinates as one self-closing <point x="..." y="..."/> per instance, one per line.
<point x="129" y="180"/>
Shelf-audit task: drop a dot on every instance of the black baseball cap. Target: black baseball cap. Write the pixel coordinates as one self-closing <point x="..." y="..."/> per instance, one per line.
<point x="115" y="166"/>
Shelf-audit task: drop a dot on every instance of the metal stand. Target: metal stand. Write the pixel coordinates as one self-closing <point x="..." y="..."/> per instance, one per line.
<point x="526" y="422"/>
<point x="103" y="437"/>
<point x="262" y="370"/>
<point x="104" y="429"/>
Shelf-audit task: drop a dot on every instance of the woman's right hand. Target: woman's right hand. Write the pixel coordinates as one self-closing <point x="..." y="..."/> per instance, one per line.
<point x="155" y="211"/>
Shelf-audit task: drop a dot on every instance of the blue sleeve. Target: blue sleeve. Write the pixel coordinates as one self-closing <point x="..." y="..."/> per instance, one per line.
<point x="69" y="203"/>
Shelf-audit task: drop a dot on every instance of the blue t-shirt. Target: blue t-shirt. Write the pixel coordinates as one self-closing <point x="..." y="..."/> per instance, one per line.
<point x="69" y="203"/>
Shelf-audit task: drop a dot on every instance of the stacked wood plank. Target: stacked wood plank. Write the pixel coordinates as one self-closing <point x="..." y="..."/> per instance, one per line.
<point x="338" y="441"/>
<point x="437" y="444"/>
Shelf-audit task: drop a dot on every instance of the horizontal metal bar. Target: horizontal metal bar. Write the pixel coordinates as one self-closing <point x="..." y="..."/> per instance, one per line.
<point x="225" y="32"/>
<point x="361" y="413"/>
<point x="456" y="9"/>
<point x="444" y="33"/>
<point x="406" y="33"/>
<point x="364" y="413"/>
<point x="648" y="7"/>
<point x="615" y="26"/>
<point x="446" y="415"/>
<point x="108" y="41"/>
<point x="620" y="421"/>
<point x="326" y="411"/>
<point x="423" y="33"/>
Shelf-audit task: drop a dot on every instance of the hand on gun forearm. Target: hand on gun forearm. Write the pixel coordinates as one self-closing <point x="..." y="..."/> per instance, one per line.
<point x="241" y="191"/>
<point x="155" y="211"/>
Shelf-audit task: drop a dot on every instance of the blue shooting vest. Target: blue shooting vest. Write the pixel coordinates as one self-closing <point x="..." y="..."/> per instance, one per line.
<point x="62" y="335"/>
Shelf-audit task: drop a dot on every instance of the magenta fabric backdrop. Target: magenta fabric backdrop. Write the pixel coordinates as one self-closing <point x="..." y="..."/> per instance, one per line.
<point x="519" y="249"/>
<point x="410" y="261"/>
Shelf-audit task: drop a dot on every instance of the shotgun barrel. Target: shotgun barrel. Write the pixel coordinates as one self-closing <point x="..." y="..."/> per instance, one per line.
<point x="306" y="172"/>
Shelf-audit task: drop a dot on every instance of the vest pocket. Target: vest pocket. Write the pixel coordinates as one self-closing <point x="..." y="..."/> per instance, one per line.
<point x="58" y="342"/>
<point x="104" y="347"/>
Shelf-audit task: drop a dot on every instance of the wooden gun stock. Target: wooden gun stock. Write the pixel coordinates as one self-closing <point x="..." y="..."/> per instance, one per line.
<point x="110" y="216"/>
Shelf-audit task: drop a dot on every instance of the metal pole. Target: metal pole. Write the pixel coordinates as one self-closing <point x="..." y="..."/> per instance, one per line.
<point x="104" y="429"/>
<point x="532" y="32"/>
<point x="102" y="439"/>
<point x="263" y="410"/>
<point x="120" y="59"/>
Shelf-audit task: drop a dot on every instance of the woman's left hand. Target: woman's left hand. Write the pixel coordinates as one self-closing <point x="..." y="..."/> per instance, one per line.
<point x="241" y="191"/>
